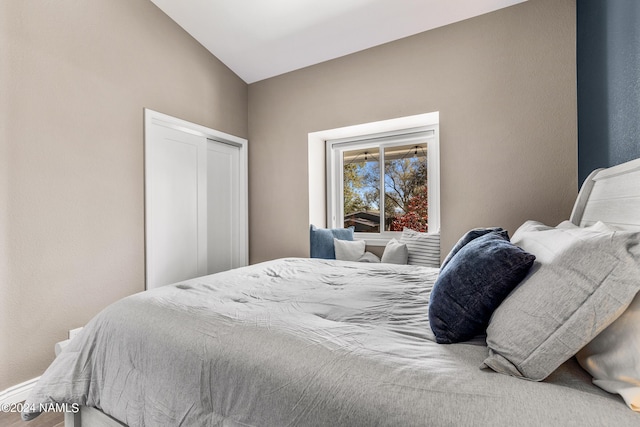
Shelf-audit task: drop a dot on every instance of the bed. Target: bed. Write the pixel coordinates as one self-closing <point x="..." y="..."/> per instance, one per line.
<point x="319" y="342"/>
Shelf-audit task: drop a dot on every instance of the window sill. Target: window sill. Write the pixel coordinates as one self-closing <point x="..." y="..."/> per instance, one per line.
<point x="380" y="241"/>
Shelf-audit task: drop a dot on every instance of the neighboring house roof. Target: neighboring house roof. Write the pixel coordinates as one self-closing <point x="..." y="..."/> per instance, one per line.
<point x="370" y="215"/>
<point x="363" y="220"/>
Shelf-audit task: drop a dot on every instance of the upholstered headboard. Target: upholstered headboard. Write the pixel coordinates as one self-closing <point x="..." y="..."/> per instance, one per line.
<point x="611" y="195"/>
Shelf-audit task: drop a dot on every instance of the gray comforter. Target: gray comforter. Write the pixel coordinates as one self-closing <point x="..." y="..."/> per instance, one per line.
<point x="303" y="342"/>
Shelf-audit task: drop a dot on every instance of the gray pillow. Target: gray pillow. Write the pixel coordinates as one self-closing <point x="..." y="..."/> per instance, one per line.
<point x="581" y="281"/>
<point x="395" y="252"/>
<point x="424" y="248"/>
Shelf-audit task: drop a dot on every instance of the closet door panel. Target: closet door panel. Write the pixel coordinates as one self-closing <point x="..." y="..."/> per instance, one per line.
<point x="223" y="206"/>
<point x="176" y="249"/>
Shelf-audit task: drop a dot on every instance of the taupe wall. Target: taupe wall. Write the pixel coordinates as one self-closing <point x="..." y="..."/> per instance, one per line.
<point x="505" y="86"/>
<point x="76" y="74"/>
<point x="75" y="77"/>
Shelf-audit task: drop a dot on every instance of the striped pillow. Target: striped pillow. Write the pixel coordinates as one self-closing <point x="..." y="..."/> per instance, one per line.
<point x="424" y="248"/>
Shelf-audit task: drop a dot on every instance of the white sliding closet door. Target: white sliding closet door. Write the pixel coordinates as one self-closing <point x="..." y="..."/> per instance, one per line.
<point x="195" y="190"/>
<point x="223" y="203"/>
<point x="176" y="215"/>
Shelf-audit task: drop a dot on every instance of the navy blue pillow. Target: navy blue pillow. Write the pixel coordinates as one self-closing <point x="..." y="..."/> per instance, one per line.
<point x="473" y="284"/>
<point x="322" y="240"/>
<point x="472" y="235"/>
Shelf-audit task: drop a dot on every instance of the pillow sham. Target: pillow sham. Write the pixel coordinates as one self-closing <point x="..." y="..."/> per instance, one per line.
<point x="598" y="226"/>
<point x="564" y="225"/>
<point x="424" y="248"/>
<point x="473" y="284"/>
<point x="321" y="240"/>
<point x="349" y="250"/>
<point x="471" y="235"/>
<point x="581" y="281"/>
<point x="613" y="357"/>
<point x="395" y="252"/>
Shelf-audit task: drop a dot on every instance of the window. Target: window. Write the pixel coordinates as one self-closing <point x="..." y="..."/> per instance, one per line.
<point x="384" y="182"/>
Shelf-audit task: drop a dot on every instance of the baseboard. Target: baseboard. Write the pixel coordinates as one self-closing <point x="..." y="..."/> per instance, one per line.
<point x="18" y="392"/>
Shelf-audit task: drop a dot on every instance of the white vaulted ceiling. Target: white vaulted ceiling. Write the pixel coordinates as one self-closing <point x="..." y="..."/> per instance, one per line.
<point x="259" y="39"/>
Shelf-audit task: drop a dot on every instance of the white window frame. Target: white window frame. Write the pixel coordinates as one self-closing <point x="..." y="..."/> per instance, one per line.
<point x="397" y="135"/>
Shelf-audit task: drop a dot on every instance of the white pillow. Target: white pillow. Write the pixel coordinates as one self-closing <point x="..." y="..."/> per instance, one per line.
<point x="347" y="250"/>
<point x="555" y="240"/>
<point x="613" y="357"/>
<point x="424" y="248"/>
<point x="369" y="257"/>
<point x="395" y="252"/>
<point x="597" y="226"/>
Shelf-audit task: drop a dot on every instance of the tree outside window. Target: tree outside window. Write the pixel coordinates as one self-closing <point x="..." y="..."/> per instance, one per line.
<point x="405" y="188"/>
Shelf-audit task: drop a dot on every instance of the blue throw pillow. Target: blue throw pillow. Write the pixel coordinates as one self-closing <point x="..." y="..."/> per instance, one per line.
<point x="472" y="235"/>
<point x="322" y="240"/>
<point x="473" y="284"/>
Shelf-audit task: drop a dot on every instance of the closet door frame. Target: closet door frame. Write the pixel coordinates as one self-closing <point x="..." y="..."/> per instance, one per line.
<point x="155" y="118"/>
